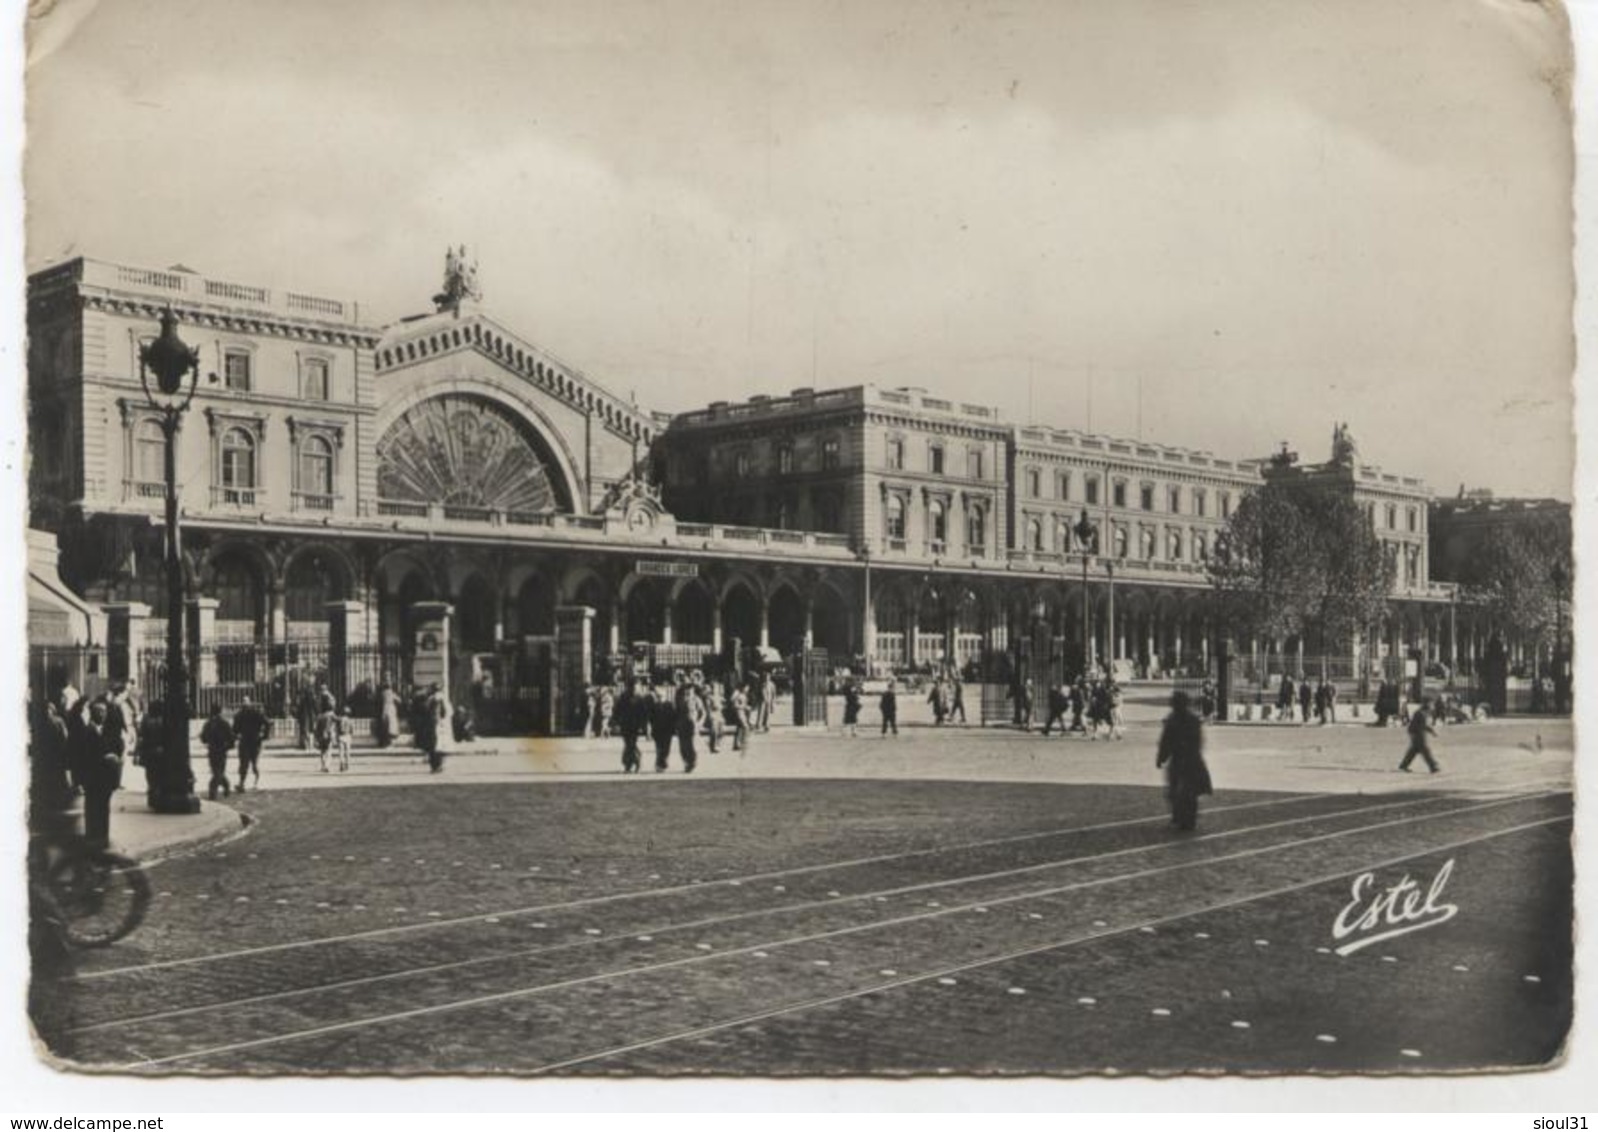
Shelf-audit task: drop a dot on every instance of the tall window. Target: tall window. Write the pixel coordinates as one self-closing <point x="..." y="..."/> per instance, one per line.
<point x="1414" y="523"/>
<point x="781" y="517"/>
<point x="894" y="518"/>
<point x="149" y="453"/>
<point x="740" y="464"/>
<point x="785" y="460"/>
<point x="238" y="466"/>
<point x="1226" y="505"/>
<point x="1146" y="497"/>
<point x="1414" y="565"/>
<point x="976" y="531"/>
<point x="1034" y="482"/>
<point x="1118" y="493"/>
<point x="1034" y="535"/>
<point x="1146" y="541"/>
<point x="316" y="471"/>
<point x="1174" y="546"/>
<point x="1091" y="489"/>
<point x="1174" y="499"/>
<point x="973" y="463"/>
<point x="829" y="453"/>
<point x="938" y="522"/>
<point x="1201" y="547"/>
<point x="1392" y="517"/>
<point x="316" y="384"/>
<point x="935" y="459"/>
<point x="1200" y="500"/>
<point x="1065" y="485"/>
<point x="1120" y="542"/>
<point x="829" y="514"/>
<point x="236" y="370"/>
<point x="896" y="454"/>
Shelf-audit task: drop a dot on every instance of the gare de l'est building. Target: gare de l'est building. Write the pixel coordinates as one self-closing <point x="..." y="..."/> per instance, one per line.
<point x="343" y="479"/>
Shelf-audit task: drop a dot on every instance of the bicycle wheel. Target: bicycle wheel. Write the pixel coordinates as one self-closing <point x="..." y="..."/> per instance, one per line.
<point x="101" y="896"/>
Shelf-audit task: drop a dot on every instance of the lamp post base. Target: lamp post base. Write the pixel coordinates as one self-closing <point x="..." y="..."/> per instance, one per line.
<point x="175" y="802"/>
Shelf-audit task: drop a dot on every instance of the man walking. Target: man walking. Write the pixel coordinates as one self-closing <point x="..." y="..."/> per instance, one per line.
<point x="97" y="749"/>
<point x="662" y="725"/>
<point x="631" y="718"/>
<point x="889" y="705"/>
<point x="1181" y="753"/>
<point x="250" y="729"/>
<point x="217" y="735"/>
<point x="1420" y="726"/>
<point x="690" y="710"/>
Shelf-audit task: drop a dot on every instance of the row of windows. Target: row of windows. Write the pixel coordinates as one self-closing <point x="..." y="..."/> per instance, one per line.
<point x="787" y="464"/>
<point x="975" y="462"/>
<point x="1064" y="539"/>
<point x="1198" y="497"/>
<point x="1390" y="513"/>
<point x="976" y="523"/>
<point x="237" y="473"/>
<point x="238" y="374"/>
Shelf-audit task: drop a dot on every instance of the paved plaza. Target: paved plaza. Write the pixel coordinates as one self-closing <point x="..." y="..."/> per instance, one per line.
<point x="957" y="900"/>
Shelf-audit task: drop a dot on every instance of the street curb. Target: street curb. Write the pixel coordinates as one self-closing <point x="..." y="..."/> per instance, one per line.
<point x="167" y="837"/>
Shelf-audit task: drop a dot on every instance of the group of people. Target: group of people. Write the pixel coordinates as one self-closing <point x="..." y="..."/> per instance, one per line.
<point x="80" y="745"/>
<point x="691" y="707"/>
<point x="603" y="717"/>
<point x="1321" y="698"/>
<point x="1094" y="703"/>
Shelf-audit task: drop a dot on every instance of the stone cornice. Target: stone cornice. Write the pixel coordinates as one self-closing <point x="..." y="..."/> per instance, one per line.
<point x="213" y="318"/>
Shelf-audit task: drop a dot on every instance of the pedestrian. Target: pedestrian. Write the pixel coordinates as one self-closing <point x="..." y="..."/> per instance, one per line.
<point x="385" y="728"/>
<point x="1305" y="694"/>
<point x="1059" y="704"/>
<point x="217" y="735"/>
<point x="424" y="728"/>
<point x="326" y="731"/>
<point x="1207" y="700"/>
<point x="631" y="719"/>
<point x="607" y="708"/>
<point x="1181" y="753"/>
<point x="662" y="725"/>
<point x="935" y="698"/>
<point x="250" y="729"/>
<point x="1079" y="701"/>
<point x="305" y="715"/>
<point x="738" y="708"/>
<point x="1420" y="726"/>
<point x="1331" y="702"/>
<point x="1112" y="701"/>
<point x="346" y="733"/>
<point x="851" y="708"/>
<point x="97" y="748"/>
<point x="889" y="706"/>
<point x="715" y="710"/>
<point x="768" y="699"/>
<point x="957" y="698"/>
<point x="1098" y="708"/>
<point x="690" y="718"/>
<point x="152" y="747"/>
<point x="1285" y="697"/>
<point x="1022" y="691"/>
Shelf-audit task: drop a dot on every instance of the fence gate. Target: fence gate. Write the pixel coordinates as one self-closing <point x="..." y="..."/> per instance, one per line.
<point x="811" y="671"/>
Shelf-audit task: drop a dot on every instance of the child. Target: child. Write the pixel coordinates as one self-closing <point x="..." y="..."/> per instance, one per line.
<point x="344" y="728"/>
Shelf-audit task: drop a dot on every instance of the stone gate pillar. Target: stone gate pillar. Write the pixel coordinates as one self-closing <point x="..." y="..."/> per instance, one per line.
<point x="201" y="627"/>
<point x="124" y="638"/>
<point x="345" y="623"/>
<point x="430" y="665"/>
<point x="574" y="663"/>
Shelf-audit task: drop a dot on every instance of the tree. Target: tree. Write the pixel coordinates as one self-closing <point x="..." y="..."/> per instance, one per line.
<point x="1298" y="555"/>
<point x="1520" y="574"/>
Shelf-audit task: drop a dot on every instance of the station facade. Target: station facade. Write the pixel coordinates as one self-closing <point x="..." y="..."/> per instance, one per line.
<point x="344" y="482"/>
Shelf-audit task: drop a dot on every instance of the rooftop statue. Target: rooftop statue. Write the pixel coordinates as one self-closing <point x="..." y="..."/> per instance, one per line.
<point x="460" y="281"/>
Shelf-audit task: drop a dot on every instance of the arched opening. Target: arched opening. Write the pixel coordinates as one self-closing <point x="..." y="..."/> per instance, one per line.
<point x="786" y="619"/>
<point x="740" y="615"/>
<point x="830" y="623"/>
<point x="594" y="594"/>
<point x="696" y="611"/>
<point x="314" y="578"/>
<point x="415" y="588"/>
<point x="535" y="608"/>
<point x="474" y="618"/>
<point x="236" y="586"/>
<point x="646" y="612"/>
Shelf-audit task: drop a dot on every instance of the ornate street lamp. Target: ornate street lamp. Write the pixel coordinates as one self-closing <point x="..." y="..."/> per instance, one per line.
<point x="176" y="367"/>
<point x="1084" y="535"/>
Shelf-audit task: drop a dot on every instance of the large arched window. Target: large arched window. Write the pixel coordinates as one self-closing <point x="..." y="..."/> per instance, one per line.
<point x="236" y="585"/>
<point x="238" y="466"/>
<point x="894" y="517"/>
<point x="938" y="522"/>
<point x="316" y="472"/>
<point x="149" y="453"/>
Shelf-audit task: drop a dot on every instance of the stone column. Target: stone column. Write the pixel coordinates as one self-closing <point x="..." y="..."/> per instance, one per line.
<point x="715" y="627"/>
<point x="277" y="618"/>
<point x="765" y="623"/>
<point x="431" y="636"/>
<point x="344" y="622"/>
<point x="574" y="662"/>
<point x="201" y="624"/>
<point x="124" y="638"/>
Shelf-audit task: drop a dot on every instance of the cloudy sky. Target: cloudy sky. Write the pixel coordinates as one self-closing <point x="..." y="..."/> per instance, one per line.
<point x="1216" y="224"/>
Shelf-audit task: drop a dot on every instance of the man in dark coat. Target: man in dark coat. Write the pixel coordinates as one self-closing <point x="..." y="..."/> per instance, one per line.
<point x="1305" y="693"/>
<point x="250" y="728"/>
<point x="1059" y="704"/>
<point x="217" y="735"/>
<point x="690" y="711"/>
<point x="662" y="725"/>
<point x="1285" y="697"/>
<point x="889" y="706"/>
<point x="1420" y="726"/>
<point x="632" y="717"/>
<point x="1182" y="755"/>
<point x="97" y="750"/>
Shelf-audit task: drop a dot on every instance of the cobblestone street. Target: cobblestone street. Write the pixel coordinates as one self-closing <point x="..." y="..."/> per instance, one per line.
<point x="953" y="901"/>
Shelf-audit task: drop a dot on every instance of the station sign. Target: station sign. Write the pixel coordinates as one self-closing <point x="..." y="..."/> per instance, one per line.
<point x="668" y="569"/>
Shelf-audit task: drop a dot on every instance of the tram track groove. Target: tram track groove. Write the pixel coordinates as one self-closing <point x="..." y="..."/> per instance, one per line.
<point x="889" y="924"/>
